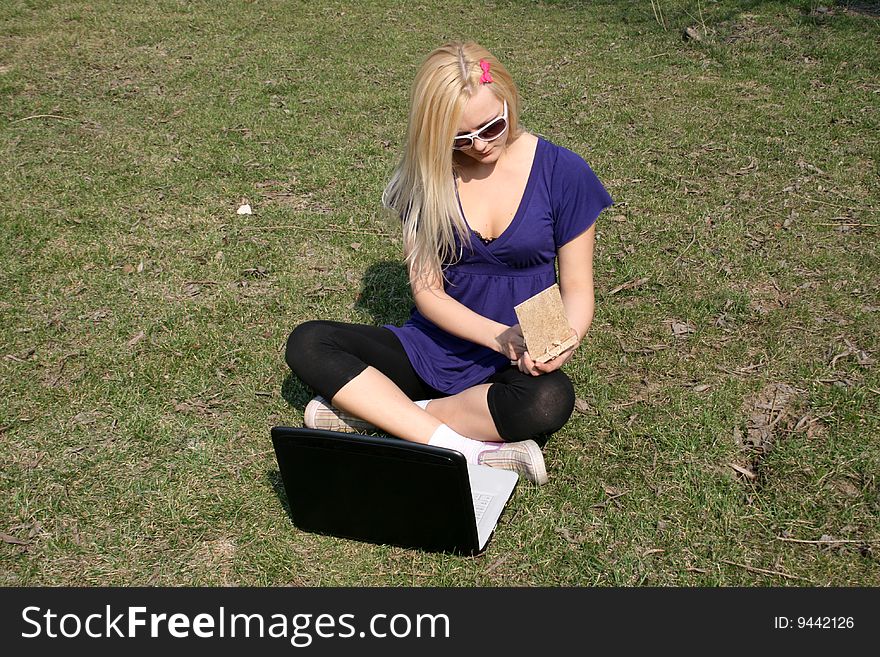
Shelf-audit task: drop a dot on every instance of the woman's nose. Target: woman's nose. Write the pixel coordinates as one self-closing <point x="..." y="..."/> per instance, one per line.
<point x="480" y="145"/>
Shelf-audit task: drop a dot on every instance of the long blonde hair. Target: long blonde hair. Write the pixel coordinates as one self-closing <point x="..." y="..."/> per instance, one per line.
<point x="422" y="188"/>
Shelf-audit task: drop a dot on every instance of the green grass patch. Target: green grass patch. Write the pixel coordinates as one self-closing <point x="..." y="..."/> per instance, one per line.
<point x="728" y="427"/>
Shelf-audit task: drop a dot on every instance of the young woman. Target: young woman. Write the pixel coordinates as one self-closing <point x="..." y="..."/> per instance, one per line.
<point x="487" y="211"/>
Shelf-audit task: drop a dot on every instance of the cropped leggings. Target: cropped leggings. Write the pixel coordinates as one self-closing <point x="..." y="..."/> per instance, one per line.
<point x="327" y="355"/>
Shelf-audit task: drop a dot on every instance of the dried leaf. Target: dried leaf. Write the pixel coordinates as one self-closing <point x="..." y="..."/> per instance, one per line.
<point x="192" y="290"/>
<point x="806" y="165"/>
<point x="581" y="406"/>
<point x="244" y="209"/>
<point x="679" y="328"/>
<point x="846" y="487"/>
<point x="703" y="387"/>
<point x="737" y="436"/>
<point x="692" y="33"/>
<point x="746" y="170"/>
<point x="723" y="321"/>
<point x="86" y="417"/>
<point x="137" y="338"/>
<point x="356" y="246"/>
<point x="567" y="535"/>
<point x="629" y="285"/>
<point x="6" y="538"/>
<point x="803" y="423"/>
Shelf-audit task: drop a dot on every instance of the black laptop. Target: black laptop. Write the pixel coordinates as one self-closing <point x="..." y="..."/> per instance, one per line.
<point x="389" y="491"/>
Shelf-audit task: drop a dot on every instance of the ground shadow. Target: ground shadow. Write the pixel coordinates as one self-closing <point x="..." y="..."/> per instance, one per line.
<point x="295" y="392"/>
<point x="864" y="7"/>
<point x="385" y="293"/>
<point x="277" y="484"/>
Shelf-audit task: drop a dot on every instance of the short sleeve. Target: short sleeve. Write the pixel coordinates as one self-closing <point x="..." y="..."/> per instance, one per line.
<point x="577" y="197"/>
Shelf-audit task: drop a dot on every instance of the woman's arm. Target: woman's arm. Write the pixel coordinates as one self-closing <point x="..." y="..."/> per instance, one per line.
<point x="459" y="320"/>
<point x="576" y="287"/>
<point x="576" y="281"/>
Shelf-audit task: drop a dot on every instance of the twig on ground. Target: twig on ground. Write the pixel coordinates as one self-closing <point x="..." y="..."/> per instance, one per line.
<point x="761" y="571"/>
<point x="602" y="505"/>
<point x="748" y="474"/>
<point x="855" y="225"/>
<point x="742" y="370"/>
<point x="495" y="564"/>
<point x="834" y="205"/>
<point x="693" y="239"/>
<point x="43" y="116"/>
<point x="629" y="285"/>
<point x="828" y="541"/>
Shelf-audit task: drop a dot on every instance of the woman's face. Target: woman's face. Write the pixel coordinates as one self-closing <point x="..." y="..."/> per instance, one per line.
<point x="481" y="108"/>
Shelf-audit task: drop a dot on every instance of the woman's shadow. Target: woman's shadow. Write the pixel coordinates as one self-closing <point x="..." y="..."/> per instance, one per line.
<point x="385" y="294"/>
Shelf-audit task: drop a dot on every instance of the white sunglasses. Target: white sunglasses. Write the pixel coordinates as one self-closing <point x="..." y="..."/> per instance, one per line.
<point x="489" y="132"/>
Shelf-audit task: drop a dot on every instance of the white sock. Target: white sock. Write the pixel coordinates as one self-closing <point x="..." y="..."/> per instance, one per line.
<point x="423" y="404"/>
<point x="444" y="436"/>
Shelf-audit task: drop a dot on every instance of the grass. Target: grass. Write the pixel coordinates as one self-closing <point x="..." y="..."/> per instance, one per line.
<point x="729" y="401"/>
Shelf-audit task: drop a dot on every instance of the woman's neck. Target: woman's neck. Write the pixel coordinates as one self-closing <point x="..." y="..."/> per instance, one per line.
<point x="469" y="168"/>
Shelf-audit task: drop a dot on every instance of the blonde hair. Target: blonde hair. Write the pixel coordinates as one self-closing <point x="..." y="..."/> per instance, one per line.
<point x="422" y="187"/>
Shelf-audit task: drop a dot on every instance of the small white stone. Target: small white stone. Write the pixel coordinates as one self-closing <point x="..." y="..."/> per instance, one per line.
<point x="244" y="209"/>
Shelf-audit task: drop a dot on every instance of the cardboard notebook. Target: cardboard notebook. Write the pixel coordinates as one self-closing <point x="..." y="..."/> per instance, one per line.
<point x="544" y="325"/>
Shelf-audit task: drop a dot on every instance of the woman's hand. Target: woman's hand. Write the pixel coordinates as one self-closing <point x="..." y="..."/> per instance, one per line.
<point x="511" y="342"/>
<point x="527" y="366"/>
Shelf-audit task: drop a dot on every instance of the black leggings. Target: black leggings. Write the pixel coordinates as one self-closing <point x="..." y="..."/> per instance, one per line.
<point x="327" y="355"/>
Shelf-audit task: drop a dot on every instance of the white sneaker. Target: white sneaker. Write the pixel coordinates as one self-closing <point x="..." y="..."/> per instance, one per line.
<point x="320" y="414"/>
<point x="523" y="457"/>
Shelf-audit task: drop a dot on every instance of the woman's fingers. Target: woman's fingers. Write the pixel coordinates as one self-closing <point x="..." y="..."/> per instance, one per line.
<point x="527" y="365"/>
<point x="511" y="342"/>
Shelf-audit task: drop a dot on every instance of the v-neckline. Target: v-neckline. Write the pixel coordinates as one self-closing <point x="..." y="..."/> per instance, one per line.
<point x="523" y="202"/>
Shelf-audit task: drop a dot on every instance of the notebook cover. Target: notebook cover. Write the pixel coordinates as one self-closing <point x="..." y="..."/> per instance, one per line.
<point x="544" y="325"/>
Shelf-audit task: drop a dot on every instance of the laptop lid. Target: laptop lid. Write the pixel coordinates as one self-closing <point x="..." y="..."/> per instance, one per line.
<point x="379" y="490"/>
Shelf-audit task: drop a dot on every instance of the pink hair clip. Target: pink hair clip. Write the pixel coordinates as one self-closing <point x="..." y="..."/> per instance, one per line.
<point x="486" y="77"/>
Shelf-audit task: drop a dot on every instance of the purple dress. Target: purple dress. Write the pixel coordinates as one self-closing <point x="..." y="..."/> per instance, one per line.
<point x="562" y="199"/>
